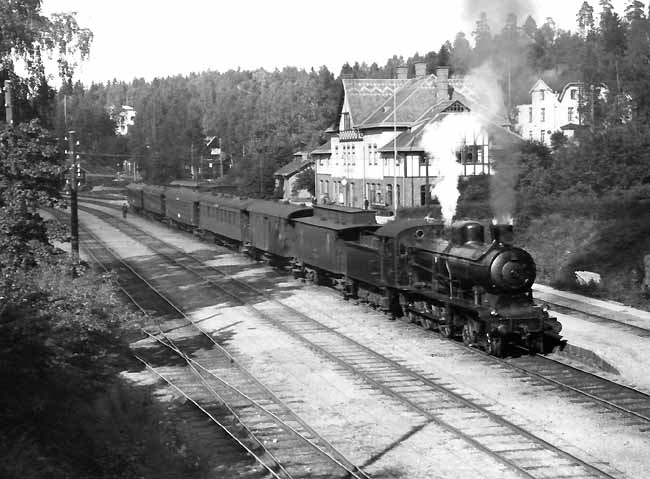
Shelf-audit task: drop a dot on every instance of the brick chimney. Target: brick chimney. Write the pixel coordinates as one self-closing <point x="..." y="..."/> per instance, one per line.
<point x="402" y="72"/>
<point x="420" y="69"/>
<point x="442" y="83"/>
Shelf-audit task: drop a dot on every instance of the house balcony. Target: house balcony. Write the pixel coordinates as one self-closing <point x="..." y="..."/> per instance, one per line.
<point x="352" y="134"/>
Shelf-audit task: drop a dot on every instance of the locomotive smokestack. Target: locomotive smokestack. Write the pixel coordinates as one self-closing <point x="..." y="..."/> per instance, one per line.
<point x="502" y="233"/>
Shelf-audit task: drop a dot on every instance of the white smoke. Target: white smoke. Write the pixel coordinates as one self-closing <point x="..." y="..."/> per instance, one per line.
<point x="441" y="141"/>
<point x="482" y="85"/>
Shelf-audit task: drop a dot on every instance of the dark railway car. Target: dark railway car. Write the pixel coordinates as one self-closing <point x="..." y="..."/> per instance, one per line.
<point x="223" y="216"/>
<point x="269" y="228"/>
<point x="134" y="196"/>
<point x="153" y="200"/>
<point x="182" y="207"/>
<point x="377" y="263"/>
<point x="320" y="241"/>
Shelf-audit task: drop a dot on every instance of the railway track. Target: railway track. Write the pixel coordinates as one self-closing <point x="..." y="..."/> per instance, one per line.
<point x="590" y="386"/>
<point x="511" y="445"/>
<point x="593" y="314"/>
<point x="256" y="418"/>
<point x="622" y="399"/>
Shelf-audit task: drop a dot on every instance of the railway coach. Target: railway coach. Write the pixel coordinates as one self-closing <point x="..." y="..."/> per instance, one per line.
<point x="223" y="218"/>
<point x="320" y="249"/>
<point x="153" y="200"/>
<point x="134" y="196"/>
<point x="182" y="207"/>
<point x="269" y="228"/>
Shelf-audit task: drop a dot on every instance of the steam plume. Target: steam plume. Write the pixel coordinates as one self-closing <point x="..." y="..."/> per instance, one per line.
<point x="441" y="141"/>
<point x="498" y="11"/>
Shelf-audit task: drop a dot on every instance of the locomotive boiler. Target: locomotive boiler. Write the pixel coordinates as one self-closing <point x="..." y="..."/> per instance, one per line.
<point x="481" y="290"/>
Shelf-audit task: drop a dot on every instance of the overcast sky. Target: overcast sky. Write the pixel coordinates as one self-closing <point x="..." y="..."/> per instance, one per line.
<point x="149" y="38"/>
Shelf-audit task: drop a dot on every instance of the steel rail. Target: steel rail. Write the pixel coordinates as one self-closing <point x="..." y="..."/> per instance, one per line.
<point x="598" y="317"/>
<point x="352" y="470"/>
<point x="195" y="364"/>
<point x="96" y="260"/>
<point x="606" y="381"/>
<point x="393" y="363"/>
<point x="467" y="403"/>
<point x="212" y="418"/>
<point x="215" y="393"/>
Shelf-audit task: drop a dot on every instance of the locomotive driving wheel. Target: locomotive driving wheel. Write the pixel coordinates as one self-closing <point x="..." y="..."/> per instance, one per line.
<point x="447" y="330"/>
<point x="426" y="323"/>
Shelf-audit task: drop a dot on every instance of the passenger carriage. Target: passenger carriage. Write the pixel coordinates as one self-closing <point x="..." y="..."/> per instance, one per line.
<point x="153" y="200"/>
<point x="134" y="196"/>
<point x="269" y="228"/>
<point x="320" y="248"/>
<point x="182" y="207"/>
<point x="223" y="216"/>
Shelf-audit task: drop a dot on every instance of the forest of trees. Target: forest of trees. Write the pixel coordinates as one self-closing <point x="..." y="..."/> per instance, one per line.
<point x="263" y="117"/>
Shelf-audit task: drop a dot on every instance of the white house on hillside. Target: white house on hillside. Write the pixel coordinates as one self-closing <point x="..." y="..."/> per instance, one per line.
<point x="124" y="119"/>
<point x="550" y="111"/>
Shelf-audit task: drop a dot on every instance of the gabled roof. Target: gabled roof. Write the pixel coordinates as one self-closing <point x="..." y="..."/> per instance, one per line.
<point x="324" y="149"/>
<point x="540" y="85"/>
<point x="293" y="167"/>
<point x="411" y="140"/>
<point x="371" y="101"/>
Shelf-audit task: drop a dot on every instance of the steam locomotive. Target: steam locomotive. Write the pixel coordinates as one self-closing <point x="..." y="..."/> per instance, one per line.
<point x="450" y="279"/>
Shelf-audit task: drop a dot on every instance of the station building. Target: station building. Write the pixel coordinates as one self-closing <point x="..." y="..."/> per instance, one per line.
<point x="376" y="152"/>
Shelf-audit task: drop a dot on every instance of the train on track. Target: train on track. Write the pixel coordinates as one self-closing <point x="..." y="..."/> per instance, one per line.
<point x="450" y="279"/>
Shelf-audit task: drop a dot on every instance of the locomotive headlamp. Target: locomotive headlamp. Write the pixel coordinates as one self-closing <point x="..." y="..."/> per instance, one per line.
<point x="494" y="312"/>
<point x="545" y="307"/>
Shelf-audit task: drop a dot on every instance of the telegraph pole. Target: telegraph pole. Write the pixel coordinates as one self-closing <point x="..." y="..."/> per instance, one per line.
<point x="9" y="110"/>
<point x="74" y="210"/>
<point x="221" y="160"/>
<point x="9" y="116"/>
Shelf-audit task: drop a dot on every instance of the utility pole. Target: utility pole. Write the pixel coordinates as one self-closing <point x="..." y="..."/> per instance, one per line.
<point x="9" y="116"/>
<point x="427" y="192"/>
<point x="394" y="195"/>
<point x="261" y="188"/>
<point x="75" y="170"/>
<point x="9" y="109"/>
<point x="221" y="160"/>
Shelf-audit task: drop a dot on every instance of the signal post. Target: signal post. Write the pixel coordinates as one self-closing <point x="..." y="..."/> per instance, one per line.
<point x="75" y="173"/>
